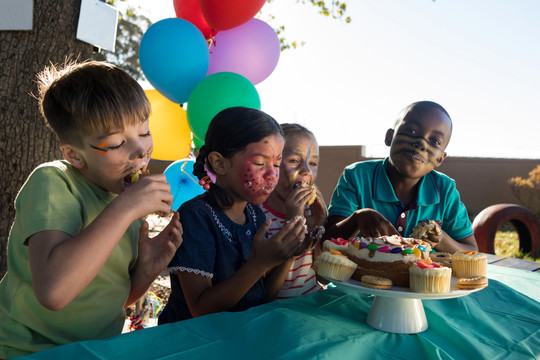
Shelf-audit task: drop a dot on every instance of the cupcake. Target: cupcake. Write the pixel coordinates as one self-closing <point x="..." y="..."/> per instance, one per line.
<point x="442" y="258"/>
<point x="338" y="244"/>
<point x="332" y="264"/>
<point x="469" y="264"/>
<point x="429" y="278"/>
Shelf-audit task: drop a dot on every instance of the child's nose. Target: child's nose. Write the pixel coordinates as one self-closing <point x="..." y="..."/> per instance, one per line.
<point x="139" y="150"/>
<point x="305" y="169"/>
<point x="272" y="171"/>
<point x="420" y="144"/>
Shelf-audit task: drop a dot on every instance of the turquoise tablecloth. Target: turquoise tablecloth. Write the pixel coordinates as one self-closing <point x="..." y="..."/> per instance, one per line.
<point x="499" y="322"/>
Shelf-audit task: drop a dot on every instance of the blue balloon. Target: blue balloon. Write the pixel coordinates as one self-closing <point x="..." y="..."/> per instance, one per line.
<point x="184" y="185"/>
<point x="174" y="57"/>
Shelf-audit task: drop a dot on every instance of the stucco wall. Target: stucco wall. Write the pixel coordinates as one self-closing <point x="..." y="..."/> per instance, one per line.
<point x="481" y="181"/>
<point x="484" y="181"/>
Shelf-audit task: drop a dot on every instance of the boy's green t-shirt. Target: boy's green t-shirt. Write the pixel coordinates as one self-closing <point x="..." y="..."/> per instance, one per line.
<point x="57" y="197"/>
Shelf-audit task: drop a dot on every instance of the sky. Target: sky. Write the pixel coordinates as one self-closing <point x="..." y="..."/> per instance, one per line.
<point x="480" y="59"/>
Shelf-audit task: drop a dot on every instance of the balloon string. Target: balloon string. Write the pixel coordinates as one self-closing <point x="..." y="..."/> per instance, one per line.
<point x="189" y="176"/>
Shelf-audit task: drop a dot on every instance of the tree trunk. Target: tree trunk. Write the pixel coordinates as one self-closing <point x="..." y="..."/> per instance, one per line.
<point x="25" y="141"/>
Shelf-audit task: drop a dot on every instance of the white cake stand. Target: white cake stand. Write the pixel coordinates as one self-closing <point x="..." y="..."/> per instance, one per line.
<point x="400" y="310"/>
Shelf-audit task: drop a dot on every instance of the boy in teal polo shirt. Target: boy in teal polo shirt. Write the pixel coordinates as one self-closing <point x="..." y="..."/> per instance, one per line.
<point x="390" y="196"/>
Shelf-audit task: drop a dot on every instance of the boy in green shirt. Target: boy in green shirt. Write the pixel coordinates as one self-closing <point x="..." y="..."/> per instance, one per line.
<point x="391" y="196"/>
<point x="78" y="252"/>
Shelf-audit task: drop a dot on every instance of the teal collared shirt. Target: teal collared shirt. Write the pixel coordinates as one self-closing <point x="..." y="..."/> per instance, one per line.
<point x="366" y="185"/>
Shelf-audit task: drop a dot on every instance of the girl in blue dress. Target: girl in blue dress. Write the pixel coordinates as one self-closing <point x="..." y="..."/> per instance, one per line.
<point x="225" y="262"/>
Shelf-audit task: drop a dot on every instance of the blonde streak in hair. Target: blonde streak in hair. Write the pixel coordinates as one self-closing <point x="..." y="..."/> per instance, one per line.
<point x="117" y="106"/>
<point x="137" y="109"/>
<point x="116" y="114"/>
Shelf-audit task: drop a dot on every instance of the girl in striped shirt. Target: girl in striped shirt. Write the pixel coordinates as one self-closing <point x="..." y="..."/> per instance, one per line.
<point x="290" y="198"/>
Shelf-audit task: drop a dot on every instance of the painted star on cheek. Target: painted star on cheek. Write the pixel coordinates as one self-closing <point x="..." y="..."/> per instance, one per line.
<point x="255" y="179"/>
<point x="250" y="181"/>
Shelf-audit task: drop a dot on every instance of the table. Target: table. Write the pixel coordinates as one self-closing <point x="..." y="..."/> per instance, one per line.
<point x="513" y="262"/>
<point x="499" y="322"/>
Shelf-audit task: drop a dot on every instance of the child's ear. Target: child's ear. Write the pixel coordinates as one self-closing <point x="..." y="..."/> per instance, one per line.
<point x="388" y="137"/>
<point x="440" y="159"/>
<point x="217" y="162"/>
<point x="72" y="155"/>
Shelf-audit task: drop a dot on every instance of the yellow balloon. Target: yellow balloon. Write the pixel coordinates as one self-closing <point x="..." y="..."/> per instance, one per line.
<point x="169" y="128"/>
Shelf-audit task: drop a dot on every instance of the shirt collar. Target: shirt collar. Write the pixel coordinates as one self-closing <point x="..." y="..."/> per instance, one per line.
<point x="428" y="191"/>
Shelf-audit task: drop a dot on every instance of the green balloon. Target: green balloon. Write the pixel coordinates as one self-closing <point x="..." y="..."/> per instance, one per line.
<point x="197" y="143"/>
<point x="215" y="93"/>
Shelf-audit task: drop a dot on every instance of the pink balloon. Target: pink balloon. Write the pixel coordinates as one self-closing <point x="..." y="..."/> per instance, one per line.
<point x="251" y="50"/>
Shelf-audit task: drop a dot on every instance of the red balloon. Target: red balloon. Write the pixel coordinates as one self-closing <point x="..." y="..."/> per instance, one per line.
<point x="227" y="14"/>
<point x="190" y="10"/>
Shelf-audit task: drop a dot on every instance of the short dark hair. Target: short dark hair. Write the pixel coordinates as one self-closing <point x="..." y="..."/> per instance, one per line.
<point x="230" y="132"/>
<point x="80" y="99"/>
<point x="423" y="103"/>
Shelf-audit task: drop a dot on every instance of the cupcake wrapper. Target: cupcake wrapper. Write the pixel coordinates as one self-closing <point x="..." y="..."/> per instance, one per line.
<point x="335" y="271"/>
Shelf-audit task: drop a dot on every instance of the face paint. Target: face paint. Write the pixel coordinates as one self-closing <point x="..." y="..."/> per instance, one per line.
<point x="254" y="172"/>
<point x="254" y="180"/>
<point x="100" y="149"/>
<point x="296" y="164"/>
<point x="249" y="179"/>
<point x="257" y="179"/>
<point x="308" y="155"/>
<point x="292" y="174"/>
<point x="415" y="147"/>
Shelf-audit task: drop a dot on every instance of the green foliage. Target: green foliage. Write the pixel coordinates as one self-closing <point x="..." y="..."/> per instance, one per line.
<point x="331" y="8"/>
<point x="131" y="27"/>
<point x="335" y="9"/>
<point x="528" y="190"/>
<point x="507" y="245"/>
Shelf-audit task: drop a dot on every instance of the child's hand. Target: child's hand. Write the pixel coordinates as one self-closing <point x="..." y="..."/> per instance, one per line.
<point x="156" y="253"/>
<point x="150" y="194"/>
<point x="296" y="201"/>
<point x="313" y="239"/>
<point x="288" y="242"/>
<point x="372" y="224"/>
<point x="154" y="256"/>
<point x="435" y="236"/>
<point x="317" y="212"/>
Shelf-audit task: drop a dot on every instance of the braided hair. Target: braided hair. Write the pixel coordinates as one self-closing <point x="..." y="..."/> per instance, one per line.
<point x="230" y="132"/>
